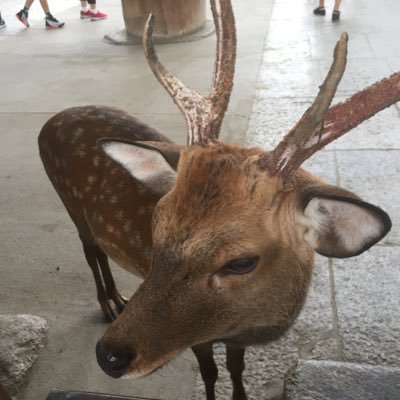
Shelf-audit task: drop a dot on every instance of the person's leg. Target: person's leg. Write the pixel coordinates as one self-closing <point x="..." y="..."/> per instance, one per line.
<point x="23" y="14"/>
<point x="28" y="3"/>
<point x="45" y="6"/>
<point x="337" y="5"/>
<point x="320" y="10"/>
<point x="50" y="21"/>
<point x="2" y="25"/>
<point x="336" y="12"/>
<point x="86" y="12"/>
<point x="95" y="15"/>
<point x="93" y="6"/>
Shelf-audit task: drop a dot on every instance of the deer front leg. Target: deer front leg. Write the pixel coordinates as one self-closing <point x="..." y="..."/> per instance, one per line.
<point x="235" y="365"/>
<point x="91" y="251"/>
<point x="208" y="368"/>
<point x="111" y="290"/>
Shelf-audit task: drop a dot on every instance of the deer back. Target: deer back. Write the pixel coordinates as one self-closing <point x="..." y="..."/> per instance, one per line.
<point x="107" y="205"/>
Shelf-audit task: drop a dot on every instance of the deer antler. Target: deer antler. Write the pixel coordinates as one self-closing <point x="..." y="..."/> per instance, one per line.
<point x="203" y="115"/>
<point x="321" y="125"/>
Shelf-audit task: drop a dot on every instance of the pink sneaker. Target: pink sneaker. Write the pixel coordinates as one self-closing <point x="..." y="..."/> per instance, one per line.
<point x="89" y="14"/>
<point x="98" y="16"/>
<point x="86" y="14"/>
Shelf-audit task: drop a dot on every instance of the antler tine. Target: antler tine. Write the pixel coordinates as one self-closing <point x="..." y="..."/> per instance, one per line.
<point x="290" y="152"/>
<point x="203" y="115"/>
<point x="343" y="117"/>
<point x="224" y="68"/>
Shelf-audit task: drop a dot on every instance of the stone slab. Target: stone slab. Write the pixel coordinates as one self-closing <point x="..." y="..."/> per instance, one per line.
<point x="368" y="304"/>
<point x="324" y="380"/>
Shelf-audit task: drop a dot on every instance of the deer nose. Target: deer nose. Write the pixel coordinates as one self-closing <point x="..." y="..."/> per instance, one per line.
<point x="114" y="360"/>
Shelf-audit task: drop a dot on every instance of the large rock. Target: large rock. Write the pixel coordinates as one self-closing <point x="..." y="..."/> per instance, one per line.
<point x="22" y="338"/>
<point x="328" y="380"/>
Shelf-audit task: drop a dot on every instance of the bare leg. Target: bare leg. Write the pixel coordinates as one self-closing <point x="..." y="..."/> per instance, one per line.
<point x="92" y="4"/>
<point x="45" y="6"/>
<point x="235" y="365"/>
<point x="337" y="5"/>
<point x="28" y="3"/>
<point x="208" y="368"/>
<point x="321" y="3"/>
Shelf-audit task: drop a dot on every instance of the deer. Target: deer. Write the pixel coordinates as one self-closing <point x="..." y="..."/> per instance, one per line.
<point x="224" y="236"/>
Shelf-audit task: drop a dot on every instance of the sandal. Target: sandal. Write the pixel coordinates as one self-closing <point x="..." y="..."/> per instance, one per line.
<point x="319" y="11"/>
<point x="335" y="15"/>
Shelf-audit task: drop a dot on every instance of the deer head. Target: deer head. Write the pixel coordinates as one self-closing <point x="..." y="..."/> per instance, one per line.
<point x="235" y="232"/>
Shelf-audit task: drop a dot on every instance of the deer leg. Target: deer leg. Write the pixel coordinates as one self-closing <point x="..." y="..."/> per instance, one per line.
<point x="90" y="254"/>
<point x="111" y="289"/>
<point x="235" y="365"/>
<point x="208" y="368"/>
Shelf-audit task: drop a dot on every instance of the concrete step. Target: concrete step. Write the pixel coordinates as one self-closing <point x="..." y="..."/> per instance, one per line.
<point x="328" y="380"/>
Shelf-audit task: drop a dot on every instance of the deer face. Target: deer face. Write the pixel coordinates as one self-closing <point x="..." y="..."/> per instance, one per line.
<point x="232" y="252"/>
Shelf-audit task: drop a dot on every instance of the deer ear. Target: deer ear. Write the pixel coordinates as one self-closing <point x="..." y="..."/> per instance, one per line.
<point x="343" y="226"/>
<point x="145" y="161"/>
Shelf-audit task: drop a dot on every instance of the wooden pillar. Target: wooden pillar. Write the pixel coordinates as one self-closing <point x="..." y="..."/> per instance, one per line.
<point x="174" y="18"/>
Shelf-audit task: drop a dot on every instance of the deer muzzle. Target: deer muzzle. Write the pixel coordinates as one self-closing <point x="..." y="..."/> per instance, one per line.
<point x="114" y="360"/>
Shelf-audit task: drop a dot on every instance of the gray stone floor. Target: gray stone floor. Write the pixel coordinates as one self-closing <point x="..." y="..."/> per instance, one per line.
<point x="352" y="313"/>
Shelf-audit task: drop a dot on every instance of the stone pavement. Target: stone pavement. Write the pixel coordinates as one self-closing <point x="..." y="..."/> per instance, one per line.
<point x="352" y="314"/>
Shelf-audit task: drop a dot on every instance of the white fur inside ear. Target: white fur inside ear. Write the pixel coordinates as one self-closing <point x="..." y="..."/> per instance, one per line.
<point x="146" y="165"/>
<point x="340" y="228"/>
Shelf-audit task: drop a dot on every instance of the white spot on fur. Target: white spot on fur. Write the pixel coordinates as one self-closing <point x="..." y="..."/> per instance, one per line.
<point x="96" y="161"/>
<point x="119" y="215"/>
<point x="114" y="199"/>
<point x="91" y="179"/>
<point x="77" y="132"/>
<point x="127" y="226"/>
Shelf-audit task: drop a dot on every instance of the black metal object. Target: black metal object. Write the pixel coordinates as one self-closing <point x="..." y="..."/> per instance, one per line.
<point x="74" y="395"/>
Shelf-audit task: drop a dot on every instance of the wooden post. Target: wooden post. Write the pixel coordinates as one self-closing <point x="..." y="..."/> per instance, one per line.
<point x="174" y="18"/>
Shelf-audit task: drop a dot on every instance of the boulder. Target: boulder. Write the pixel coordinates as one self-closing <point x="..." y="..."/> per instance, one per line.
<point x="22" y="339"/>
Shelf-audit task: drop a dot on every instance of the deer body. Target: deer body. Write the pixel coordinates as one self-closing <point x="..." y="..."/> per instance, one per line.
<point x="224" y="236"/>
<point x="103" y="201"/>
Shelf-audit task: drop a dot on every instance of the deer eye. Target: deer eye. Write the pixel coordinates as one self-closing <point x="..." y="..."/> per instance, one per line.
<point x="242" y="265"/>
